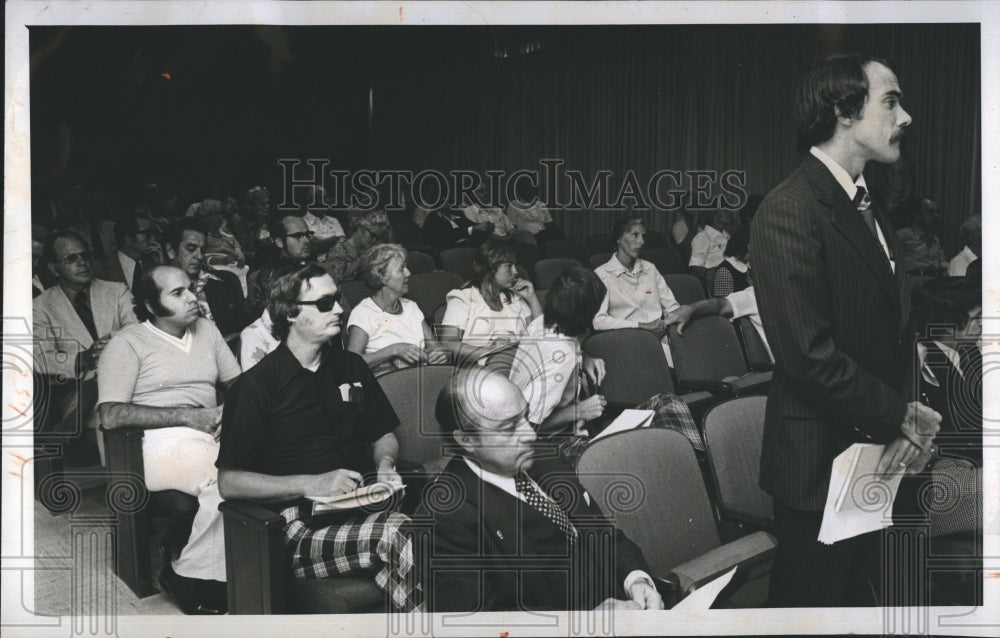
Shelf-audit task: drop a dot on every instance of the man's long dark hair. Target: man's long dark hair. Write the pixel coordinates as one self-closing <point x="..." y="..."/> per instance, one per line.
<point x="834" y="87"/>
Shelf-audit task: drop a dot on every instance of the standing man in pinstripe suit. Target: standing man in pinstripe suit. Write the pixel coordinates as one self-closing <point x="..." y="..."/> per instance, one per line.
<point x="833" y="299"/>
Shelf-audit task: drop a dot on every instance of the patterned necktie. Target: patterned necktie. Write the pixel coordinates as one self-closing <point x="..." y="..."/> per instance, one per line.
<point x="548" y="508"/>
<point x="82" y="305"/>
<point x="864" y="205"/>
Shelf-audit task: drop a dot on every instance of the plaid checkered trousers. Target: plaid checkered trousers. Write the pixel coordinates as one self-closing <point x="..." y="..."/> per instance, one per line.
<point x="373" y="541"/>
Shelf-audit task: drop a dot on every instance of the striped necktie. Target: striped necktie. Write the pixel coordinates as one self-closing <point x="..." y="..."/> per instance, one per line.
<point x="864" y="205"/>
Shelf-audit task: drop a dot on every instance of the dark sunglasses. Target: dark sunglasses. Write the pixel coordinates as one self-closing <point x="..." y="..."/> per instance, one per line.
<point x="75" y="258"/>
<point x="324" y="303"/>
<point x="308" y="234"/>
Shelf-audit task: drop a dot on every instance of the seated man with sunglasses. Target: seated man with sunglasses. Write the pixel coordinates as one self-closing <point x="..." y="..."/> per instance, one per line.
<point x="311" y="420"/>
<point x="73" y="321"/>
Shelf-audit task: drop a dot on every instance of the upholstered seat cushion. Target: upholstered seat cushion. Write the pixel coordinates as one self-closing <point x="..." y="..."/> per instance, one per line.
<point x="354" y="594"/>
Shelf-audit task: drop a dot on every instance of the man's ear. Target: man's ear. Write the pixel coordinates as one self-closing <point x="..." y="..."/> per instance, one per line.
<point x="464" y="440"/>
<point x="52" y="269"/>
<point x="279" y="242"/>
<point x="846" y="120"/>
<point x="171" y="253"/>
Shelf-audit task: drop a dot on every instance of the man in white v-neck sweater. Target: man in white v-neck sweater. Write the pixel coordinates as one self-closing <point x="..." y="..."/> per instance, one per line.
<point x="153" y="368"/>
<point x="161" y="375"/>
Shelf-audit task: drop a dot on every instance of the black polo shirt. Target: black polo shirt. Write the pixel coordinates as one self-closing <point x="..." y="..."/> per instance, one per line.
<point x="280" y="418"/>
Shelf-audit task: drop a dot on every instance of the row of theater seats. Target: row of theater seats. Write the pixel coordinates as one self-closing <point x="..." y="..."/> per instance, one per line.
<point x="666" y="474"/>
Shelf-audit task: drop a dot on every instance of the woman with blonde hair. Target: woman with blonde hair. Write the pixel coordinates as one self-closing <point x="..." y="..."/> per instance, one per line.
<point x="386" y="329"/>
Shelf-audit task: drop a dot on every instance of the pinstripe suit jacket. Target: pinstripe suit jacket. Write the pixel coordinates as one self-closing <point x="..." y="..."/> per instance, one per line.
<point x="834" y="314"/>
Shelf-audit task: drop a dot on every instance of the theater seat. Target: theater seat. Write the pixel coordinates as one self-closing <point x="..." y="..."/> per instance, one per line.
<point x="135" y="535"/>
<point x="259" y="578"/>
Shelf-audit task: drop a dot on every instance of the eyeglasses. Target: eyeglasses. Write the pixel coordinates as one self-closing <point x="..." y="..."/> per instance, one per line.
<point x="308" y="234"/>
<point x="75" y="258"/>
<point x="324" y="303"/>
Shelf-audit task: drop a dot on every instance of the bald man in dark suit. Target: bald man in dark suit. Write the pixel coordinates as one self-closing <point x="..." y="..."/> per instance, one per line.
<point x="501" y="541"/>
<point x="833" y="299"/>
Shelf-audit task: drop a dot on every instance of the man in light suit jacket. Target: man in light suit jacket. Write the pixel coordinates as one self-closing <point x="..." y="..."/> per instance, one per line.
<point x="73" y="321"/>
<point x="831" y="288"/>
<point x="494" y="547"/>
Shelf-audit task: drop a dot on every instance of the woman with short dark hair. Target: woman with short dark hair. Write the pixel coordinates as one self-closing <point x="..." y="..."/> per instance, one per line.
<point x="638" y="296"/>
<point x="549" y="360"/>
<point x="733" y="274"/>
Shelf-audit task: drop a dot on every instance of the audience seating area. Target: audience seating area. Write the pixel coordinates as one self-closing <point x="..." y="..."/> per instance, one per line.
<point x="721" y="371"/>
<point x="662" y="477"/>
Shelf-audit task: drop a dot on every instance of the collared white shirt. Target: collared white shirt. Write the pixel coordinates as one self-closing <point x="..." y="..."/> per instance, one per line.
<point x="740" y="266"/>
<point x="708" y="247"/>
<point x="506" y="483"/>
<point x="634" y="296"/>
<point x="850" y="187"/>
<point x="128" y="267"/>
<point x="959" y="264"/>
<point x="744" y="304"/>
<point x="925" y="370"/>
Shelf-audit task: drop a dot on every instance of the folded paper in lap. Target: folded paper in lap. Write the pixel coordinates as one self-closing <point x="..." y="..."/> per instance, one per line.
<point x="364" y="496"/>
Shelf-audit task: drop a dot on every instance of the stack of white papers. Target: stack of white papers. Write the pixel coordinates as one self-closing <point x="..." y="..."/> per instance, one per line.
<point x="857" y="502"/>
<point x="627" y="420"/>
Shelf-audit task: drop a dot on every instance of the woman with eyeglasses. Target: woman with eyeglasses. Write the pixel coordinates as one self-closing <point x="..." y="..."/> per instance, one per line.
<point x="494" y="309"/>
<point x="387" y="330"/>
<point x="365" y="229"/>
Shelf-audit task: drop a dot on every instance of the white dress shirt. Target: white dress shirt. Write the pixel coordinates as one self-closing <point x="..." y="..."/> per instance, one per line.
<point x="850" y="187"/>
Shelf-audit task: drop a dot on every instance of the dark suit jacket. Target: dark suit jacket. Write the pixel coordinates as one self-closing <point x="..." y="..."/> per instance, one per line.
<point x="493" y="552"/>
<point x="443" y="235"/>
<point x="834" y="314"/>
<point x="225" y="298"/>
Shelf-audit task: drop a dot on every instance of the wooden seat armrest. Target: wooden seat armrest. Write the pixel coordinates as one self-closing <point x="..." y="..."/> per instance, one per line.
<point x="123" y="450"/>
<point x="256" y="565"/>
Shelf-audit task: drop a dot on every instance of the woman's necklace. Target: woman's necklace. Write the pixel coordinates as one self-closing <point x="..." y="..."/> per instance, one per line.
<point x="393" y="308"/>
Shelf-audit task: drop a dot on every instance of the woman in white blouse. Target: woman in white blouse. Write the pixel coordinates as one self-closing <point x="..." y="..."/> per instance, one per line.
<point x="494" y="308"/>
<point x="638" y="296"/>
<point x="386" y="329"/>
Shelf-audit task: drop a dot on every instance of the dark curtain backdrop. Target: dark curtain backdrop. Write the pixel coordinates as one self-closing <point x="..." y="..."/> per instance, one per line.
<point x="644" y="98"/>
<point x="604" y="98"/>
